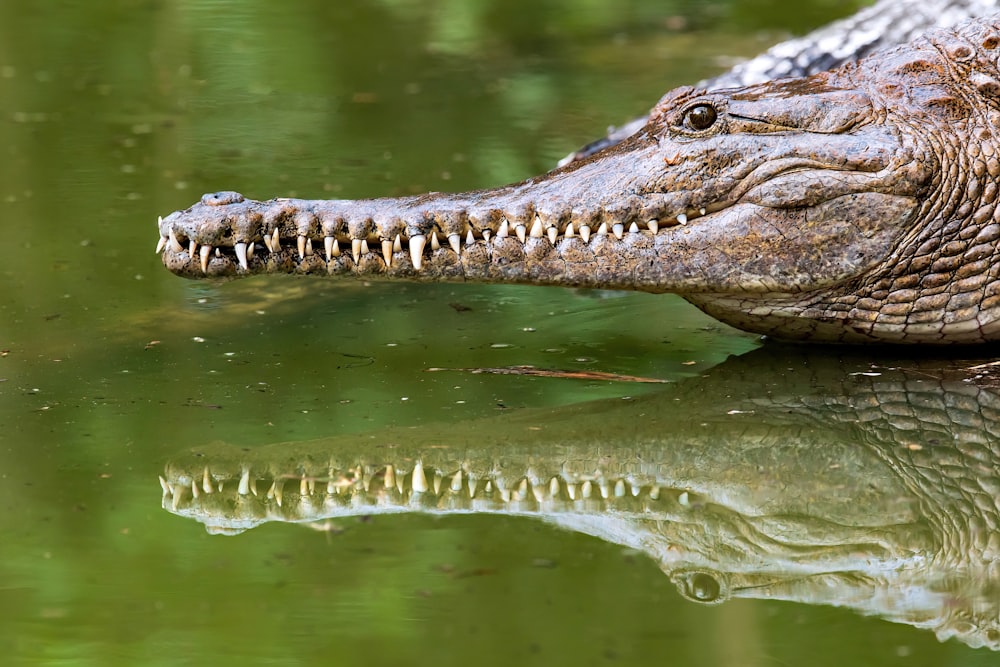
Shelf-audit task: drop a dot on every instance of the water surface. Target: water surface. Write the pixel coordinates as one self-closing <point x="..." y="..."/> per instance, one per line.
<point x="113" y="113"/>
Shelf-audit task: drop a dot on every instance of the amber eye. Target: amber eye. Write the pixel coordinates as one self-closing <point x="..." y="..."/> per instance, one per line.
<point x="700" y="117"/>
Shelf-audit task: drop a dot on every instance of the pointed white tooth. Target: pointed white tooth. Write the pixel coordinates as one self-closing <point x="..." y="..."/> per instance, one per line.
<point x="571" y="491"/>
<point x="417" y="251"/>
<point x="471" y="485"/>
<point x="654" y="493"/>
<point x="585" y="233"/>
<point x="159" y="222"/>
<point x="435" y="244"/>
<point x="218" y="252"/>
<point x="241" y="255"/>
<point x="251" y="249"/>
<point x="455" y="241"/>
<point x="436" y="480"/>
<point x="587" y="489"/>
<point x="419" y="480"/>
<point x="161" y="244"/>
<point x="486" y="235"/>
<point x="309" y="247"/>
<point x="397" y="244"/>
<point x="618" y="229"/>
<point x="387" y="253"/>
<point x="192" y="249"/>
<point x="553" y="235"/>
<point x="364" y="247"/>
<point x="164" y="485"/>
<point x="206" y="481"/>
<point x="620" y="489"/>
<point x="682" y="219"/>
<point x="206" y="251"/>
<point x="522" y="233"/>
<point x="275" y="241"/>
<point x="489" y="487"/>
<point x="683" y="499"/>
<point x="537" y="231"/>
<point x="456" y="481"/>
<point x="603" y="229"/>
<point x="278" y="487"/>
<point x="253" y="486"/>
<point x="570" y="230"/>
<point x="336" y="248"/>
<point x="303" y="487"/>
<point x="178" y="495"/>
<point x="522" y="488"/>
<point x="267" y="243"/>
<point x="356" y="250"/>
<point x="174" y="243"/>
<point x="653" y="226"/>
<point x="633" y="228"/>
<point x="701" y="210"/>
<point x="328" y="247"/>
<point x="390" y="477"/>
<point x="605" y="491"/>
<point x="635" y="489"/>
<point x="195" y="493"/>
<point x="301" y="246"/>
<point x="554" y="488"/>
<point x="504" y="230"/>
<point x="244" y="487"/>
<point x="470" y="238"/>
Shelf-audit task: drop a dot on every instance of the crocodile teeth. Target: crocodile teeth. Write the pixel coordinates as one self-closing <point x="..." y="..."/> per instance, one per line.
<point x="653" y="225"/>
<point x="620" y="489"/>
<point x="435" y="244"/>
<point x="522" y="233"/>
<point x="390" y="477"/>
<point x="486" y="235"/>
<point x="387" y="253"/>
<point x="161" y="244"/>
<point x="554" y="488"/>
<point x="536" y="229"/>
<point x="206" y="251"/>
<point x="275" y="240"/>
<point x="309" y="247"/>
<point x="702" y="210"/>
<point x="470" y="239"/>
<point x="244" y="487"/>
<point x="587" y="489"/>
<point x="241" y="255"/>
<point x="417" y="251"/>
<point x="618" y="229"/>
<point x="356" y="250"/>
<point x="192" y="248"/>
<point x="633" y="228"/>
<point x="328" y="247"/>
<point x="553" y="235"/>
<point x="504" y="230"/>
<point x="206" y="482"/>
<point x="397" y="244"/>
<point x="301" y="243"/>
<point x="174" y="243"/>
<point x="682" y="219"/>
<point x="455" y="241"/>
<point x="585" y="233"/>
<point x="419" y="481"/>
<point x="250" y="250"/>
<point x="603" y="229"/>
<point x="456" y="481"/>
<point x="164" y="485"/>
<point x="267" y="243"/>
<point x="683" y="499"/>
<point x="364" y="247"/>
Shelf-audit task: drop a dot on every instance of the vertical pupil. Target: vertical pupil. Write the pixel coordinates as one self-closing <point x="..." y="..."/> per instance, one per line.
<point x="701" y="117"/>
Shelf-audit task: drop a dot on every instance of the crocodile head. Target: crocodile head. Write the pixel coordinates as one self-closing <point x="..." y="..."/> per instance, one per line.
<point x="855" y="205"/>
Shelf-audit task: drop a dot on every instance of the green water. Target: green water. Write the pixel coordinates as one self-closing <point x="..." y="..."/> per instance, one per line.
<point x="112" y="113"/>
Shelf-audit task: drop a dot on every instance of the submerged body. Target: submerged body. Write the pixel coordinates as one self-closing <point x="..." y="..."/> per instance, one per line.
<point x="857" y="205"/>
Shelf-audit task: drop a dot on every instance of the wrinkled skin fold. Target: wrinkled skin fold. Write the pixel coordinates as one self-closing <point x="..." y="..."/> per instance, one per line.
<point x="830" y="481"/>
<point x="856" y="205"/>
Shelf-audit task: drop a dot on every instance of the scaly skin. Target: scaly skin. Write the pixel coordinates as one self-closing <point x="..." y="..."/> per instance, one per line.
<point x="832" y="482"/>
<point x="855" y="205"/>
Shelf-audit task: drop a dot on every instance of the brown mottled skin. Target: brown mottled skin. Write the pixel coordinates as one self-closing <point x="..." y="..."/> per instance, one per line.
<point x="856" y="205"/>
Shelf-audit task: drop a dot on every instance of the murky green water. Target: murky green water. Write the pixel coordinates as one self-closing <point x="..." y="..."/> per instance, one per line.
<point x="113" y="113"/>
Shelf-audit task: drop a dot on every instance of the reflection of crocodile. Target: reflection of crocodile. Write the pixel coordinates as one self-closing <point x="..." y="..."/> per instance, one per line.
<point x="881" y="496"/>
<point x="855" y="205"/>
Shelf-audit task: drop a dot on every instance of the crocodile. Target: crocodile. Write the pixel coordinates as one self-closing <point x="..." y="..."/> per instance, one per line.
<point x="856" y="205"/>
<point x="834" y="482"/>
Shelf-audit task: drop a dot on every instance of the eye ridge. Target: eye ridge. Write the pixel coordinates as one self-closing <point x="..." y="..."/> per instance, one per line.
<point x="701" y="117"/>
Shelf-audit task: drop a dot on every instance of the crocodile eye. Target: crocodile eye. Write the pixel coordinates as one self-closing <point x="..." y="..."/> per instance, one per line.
<point x="700" y="587"/>
<point x="700" y="117"/>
